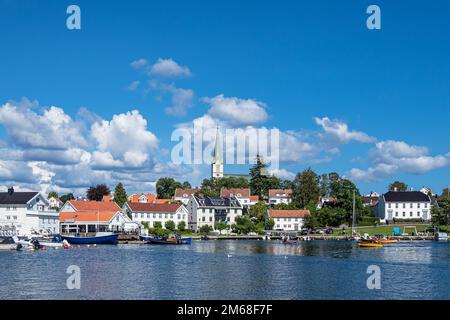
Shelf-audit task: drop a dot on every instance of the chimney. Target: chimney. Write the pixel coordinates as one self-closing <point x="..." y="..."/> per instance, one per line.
<point x="395" y="189"/>
<point x="11" y="191"/>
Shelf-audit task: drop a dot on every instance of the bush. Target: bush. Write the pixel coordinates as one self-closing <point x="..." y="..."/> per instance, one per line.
<point x="182" y="226"/>
<point x="170" y="225"/>
<point x="205" y="229"/>
<point x="157" y="225"/>
<point x="159" y="232"/>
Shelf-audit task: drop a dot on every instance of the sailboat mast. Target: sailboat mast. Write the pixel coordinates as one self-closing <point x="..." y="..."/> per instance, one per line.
<point x="354" y="213"/>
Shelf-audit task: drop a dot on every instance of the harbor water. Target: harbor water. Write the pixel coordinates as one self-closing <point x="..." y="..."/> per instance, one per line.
<point x="230" y="270"/>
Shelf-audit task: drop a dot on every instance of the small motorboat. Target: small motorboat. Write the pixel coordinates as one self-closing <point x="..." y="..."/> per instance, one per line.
<point x="99" y="238"/>
<point x="8" y="243"/>
<point x="441" y="236"/>
<point x="172" y="239"/>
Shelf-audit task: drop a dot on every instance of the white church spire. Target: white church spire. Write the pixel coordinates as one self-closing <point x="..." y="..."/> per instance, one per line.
<point x="217" y="162"/>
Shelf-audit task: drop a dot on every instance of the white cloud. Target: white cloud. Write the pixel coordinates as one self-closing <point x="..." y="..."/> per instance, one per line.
<point x="53" y="129"/>
<point x="133" y="86"/>
<point x="124" y="141"/>
<point x="169" y="68"/>
<point x="392" y="157"/>
<point x="339" y="130"/>
<point x="139" y="64"/>
<point x="282" y="174"/>
<point x="237" y="112"/>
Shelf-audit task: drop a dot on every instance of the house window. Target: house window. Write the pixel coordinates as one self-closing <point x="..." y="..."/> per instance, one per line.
<point x="411" y="205"/>
<point x="203" y="219"/>
<point x="404" y="213"/>
<point x="389" y="205"/>
<point x="411" y="214"/>
<point x="404" y="205"/>
<point x="418" y="205"/>
<point x="396" y="213"/>
<point x="210" y="219"/>
<point x="426" y="205"/>
<point x="396" y="206"/>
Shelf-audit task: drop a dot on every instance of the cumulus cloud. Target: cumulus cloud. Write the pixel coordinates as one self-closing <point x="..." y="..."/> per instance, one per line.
<point x="282" y="174"/>
<point x="51" y="129"/>
<point x="339" y="130"/>
<point x="133" y="86"/>
<point x="139" y="64"/>
<point x="392" y="157"/>
<point x="237" y="112"/>
<point x="181" y="99"/>
<point x="169" y="68"/>
<point x="124" y="141"/>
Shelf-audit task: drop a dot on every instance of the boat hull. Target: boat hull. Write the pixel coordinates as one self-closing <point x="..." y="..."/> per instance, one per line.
<point x="106" y="239"/>
<point x="370" y="245"/>
<point x="387" y="241"/>
<point x="10" y="247"/>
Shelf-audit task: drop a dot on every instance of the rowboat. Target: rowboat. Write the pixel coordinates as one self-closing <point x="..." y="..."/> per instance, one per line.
<point x="370" y="245"/>
<point x="169" y="240"/>
<point x="99" y="238"/>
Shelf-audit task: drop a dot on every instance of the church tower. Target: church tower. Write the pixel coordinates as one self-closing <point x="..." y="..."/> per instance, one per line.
<point x="217" y="161"/>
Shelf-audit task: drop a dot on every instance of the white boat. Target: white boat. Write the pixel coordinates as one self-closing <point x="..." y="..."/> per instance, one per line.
<point x="8" y="243"/>
<point x="441" y="236"/>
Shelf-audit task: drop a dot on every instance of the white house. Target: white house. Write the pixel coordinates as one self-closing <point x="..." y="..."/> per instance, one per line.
<point x="403" y="205"/>
<point x="142" y="198"/>
<point x="153" y="212"/>
<point x="183" y="195"/>
<point x="277" y="196"/>
<point x="287" y="220"/>
<point x="243" y="195"/>
<point x="55" y="203"/>
<point x="205" y="210"/>
<point x="28" y="213"/>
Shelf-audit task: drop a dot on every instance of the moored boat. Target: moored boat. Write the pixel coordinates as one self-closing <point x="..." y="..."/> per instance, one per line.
<point x="9" y="244"/>
<point x="441" y="236"/>
<point x="370" y="245"/>
<point x="99" y="238"/>
<point x="172" y="239"/>
<point x="387" y="241"/>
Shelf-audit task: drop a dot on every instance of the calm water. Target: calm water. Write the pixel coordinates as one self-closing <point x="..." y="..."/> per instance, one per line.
<point x="256" y="270"/>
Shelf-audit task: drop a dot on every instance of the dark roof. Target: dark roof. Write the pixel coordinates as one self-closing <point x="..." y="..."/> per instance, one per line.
<point x="153" y="207"/>
<point x="406" y="196"/>
<point x="16" y="197"/>
<point x="218" y="202"/>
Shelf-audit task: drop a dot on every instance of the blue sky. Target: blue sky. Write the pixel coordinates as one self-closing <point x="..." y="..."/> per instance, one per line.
<point x="382" y="96"/>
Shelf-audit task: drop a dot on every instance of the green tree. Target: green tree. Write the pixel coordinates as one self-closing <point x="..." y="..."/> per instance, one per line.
<point x="186" y="185"/>
<point x="67" y="197"/>
<point x="170" y="225"/>
<point x="96" y="193"/>
<point x="181" y="226"/>
<point x="165" y="187"/>
<point x="157" y="225"/>
<point x="244" y="225"/>
<point x="259" y="178"/>
<point x="445" y="193"/>
<point x="398" y="186"/>
<point x="342" y="191"/>
<point x="258" y="211"/>
<point x="52" y="194"/>
<point x="205" y="229"/>
<point x="120" y="195"/>
<point x="270" y="223"/>
<point x="286" y="184"/>
<point x="306" y="189"/>
<point x="220" y="225"/>
<point x="311" y="221"/>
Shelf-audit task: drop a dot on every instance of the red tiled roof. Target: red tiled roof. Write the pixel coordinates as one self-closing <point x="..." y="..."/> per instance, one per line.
<point x="135" y="197"/>
<point x="185" y="193"/>
<point x="154" y="207"/>
<point x="289" y="213"/>
<point x="283" y="192"/>
<point x="94" y="206"/>
<point x="237" y="192"/>
<point x="101" y="216"/>
<point x="107" y="198"/>
<point x="254" y="198"/>
<point x="162" y="201"/>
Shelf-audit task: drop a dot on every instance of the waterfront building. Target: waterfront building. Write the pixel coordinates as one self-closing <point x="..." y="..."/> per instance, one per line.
<point x="371" y="199"/>
<point x="287" y="220"/>
<point x="183" y="195"/>
<point x="82" y="205"/>
<point x="205" y="210"/>
<point x="153" y="212"/>
<point x="28" y="213"/>
<point x="277" y="196"/>
<point x="242" y="194"/>
<point x="95" y="221"/>
<point x="404" y="205"/>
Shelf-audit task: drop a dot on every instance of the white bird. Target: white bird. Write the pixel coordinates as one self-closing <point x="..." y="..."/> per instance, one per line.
<point x="229" y="255"/>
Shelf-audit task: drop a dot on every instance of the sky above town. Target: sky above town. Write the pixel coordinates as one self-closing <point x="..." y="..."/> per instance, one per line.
<point x="99" y="105"/>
